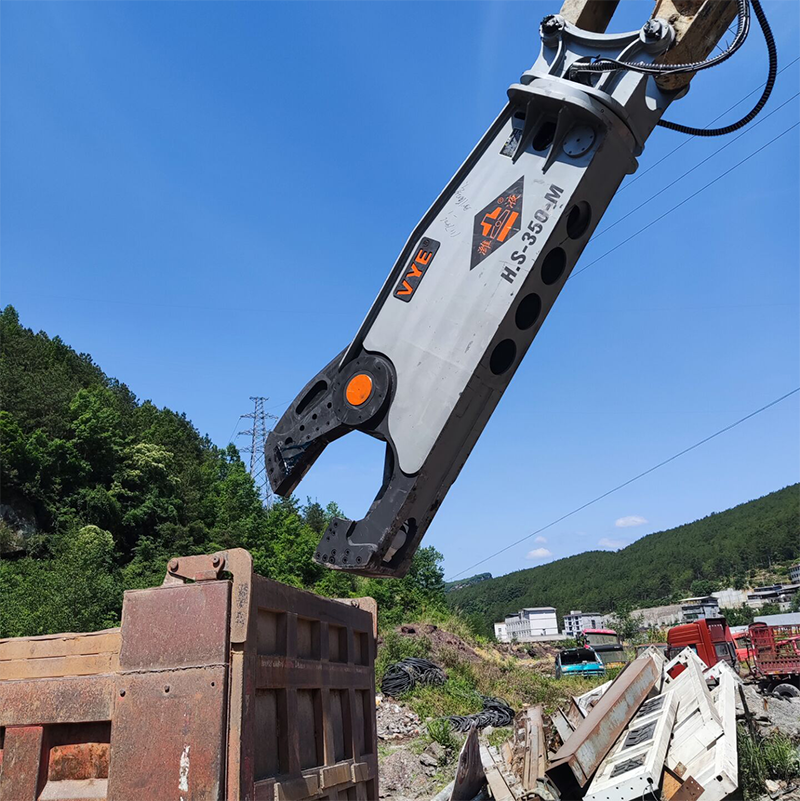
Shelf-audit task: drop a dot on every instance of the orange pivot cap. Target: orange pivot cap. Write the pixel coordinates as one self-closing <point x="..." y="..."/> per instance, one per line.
<point x="359" y="388"/>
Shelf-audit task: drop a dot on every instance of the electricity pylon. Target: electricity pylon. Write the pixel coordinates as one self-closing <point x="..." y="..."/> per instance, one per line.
<point x="258" y="438"/>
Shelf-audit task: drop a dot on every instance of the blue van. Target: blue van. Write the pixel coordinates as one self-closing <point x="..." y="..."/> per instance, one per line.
<point x="579" y="662"/>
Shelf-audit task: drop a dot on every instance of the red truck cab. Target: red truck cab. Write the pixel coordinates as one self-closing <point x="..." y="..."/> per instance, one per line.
<point x="710" y="639"/>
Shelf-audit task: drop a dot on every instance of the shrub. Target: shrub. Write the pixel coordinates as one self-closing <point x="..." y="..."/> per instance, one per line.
<point x="439" y="731"/>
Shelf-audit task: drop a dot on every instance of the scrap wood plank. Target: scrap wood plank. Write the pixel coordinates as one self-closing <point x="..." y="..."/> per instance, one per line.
<point x="670" y="784"/>
<point x="527" y="760"/>
<point x="590" y="15"/>
<point x="497" y="782"/>
<point x="698" y="25"/>
<point x="535" y="750"/>
<point x="510" y="778"/>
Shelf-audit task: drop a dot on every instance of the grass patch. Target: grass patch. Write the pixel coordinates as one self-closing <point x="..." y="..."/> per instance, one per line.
<point x="396" y="647"/>
<point x="507" y="678"/>
<point x="761" y="758"/>
<point x="497" y="737"/>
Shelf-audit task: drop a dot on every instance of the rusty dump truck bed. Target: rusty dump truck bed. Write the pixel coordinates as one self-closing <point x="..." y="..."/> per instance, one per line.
<point x="776" y="650"/>
<point x="219" y="688"/>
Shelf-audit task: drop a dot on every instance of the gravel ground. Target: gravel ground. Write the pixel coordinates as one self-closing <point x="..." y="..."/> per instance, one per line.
<point x="395" y="721"/>
<point x="772" y="714"/>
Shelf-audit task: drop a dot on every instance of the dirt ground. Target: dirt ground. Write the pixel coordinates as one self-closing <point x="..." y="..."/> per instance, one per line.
<point x="409" y="767"/>
<point x="440" y="640"/>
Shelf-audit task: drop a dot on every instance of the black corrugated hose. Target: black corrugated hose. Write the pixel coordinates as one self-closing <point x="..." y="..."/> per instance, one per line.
<point x="496" y="712"/>
<point x="607" y="64"/>
<point x="403" y="676"/>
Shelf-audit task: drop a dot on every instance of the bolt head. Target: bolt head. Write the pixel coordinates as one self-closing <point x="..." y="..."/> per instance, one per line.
<point x="652" y="30"/>
<point x="552" y="25"/>
<point x="173" y="565"/>
<point x="656" y="35"/>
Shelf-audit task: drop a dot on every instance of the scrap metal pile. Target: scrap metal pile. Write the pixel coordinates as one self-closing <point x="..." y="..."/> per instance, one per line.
<point x="660" y="730"/>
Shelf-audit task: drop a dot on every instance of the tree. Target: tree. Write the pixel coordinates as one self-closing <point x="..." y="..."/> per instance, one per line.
<point x="702" y="587"/>
<point x="314" y="516"/>
<point x="625" y="623"/>
<point x="739" y="616"/>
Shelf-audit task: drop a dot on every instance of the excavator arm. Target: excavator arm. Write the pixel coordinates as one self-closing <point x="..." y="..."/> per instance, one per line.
<point x="472" y="287"/>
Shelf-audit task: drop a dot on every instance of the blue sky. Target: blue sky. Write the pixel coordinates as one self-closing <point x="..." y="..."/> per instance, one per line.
<point x="174" y="177"/>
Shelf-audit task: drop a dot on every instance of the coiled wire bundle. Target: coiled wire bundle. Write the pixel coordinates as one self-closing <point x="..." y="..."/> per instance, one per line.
<point x="496" y="712"/>
<point x="403" y="676"/>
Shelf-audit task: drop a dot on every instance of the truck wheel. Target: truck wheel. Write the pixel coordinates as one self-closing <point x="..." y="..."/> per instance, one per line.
<point x="786" y="691"/>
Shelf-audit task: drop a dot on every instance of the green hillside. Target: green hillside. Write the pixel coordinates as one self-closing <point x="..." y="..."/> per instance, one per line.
<point x="451" y="586"/>
<point x="723" y="549"/>
<point x="100" y="490"/>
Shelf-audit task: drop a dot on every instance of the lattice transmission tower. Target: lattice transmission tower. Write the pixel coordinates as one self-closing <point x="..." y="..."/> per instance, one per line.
<point x="258" y="439"/>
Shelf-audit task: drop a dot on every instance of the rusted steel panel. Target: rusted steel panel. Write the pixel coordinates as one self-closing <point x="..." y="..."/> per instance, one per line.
<point x="54" y="667"/>
<point x="236" y="689"/>
<point x="310" y="662"/>
<point x="76" y="761"/>
<point x="22" y="750"/>
<point x="173" y="680"/>
<point x="690" y="790"/>
<point x="301" y="673"/>
<point x="175" y="627"/>
<point x="168" y="735"/>
<point x="368" y="605"/>
<point x="236" y="561"/>
<point x="67" y="700"/>
<point x="578" y="758"/>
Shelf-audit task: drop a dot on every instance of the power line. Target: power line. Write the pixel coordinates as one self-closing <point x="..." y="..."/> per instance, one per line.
<point x="236" y="425"/>
<point x="686" y="141"/>
<point x="630" y="481"/>
<point x="685" y="200"/>
<point x="692" y="169"/>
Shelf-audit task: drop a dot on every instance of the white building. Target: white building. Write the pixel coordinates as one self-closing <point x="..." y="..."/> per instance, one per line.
<point x="779" y="594"/>
<point x="501" y="632"/>
<point x="730" y="598"/>
<point x="576" y="622"/>
<point x="794" y="574"/>
<point x="699" y="608"/>
<point x="531" y="624"/>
